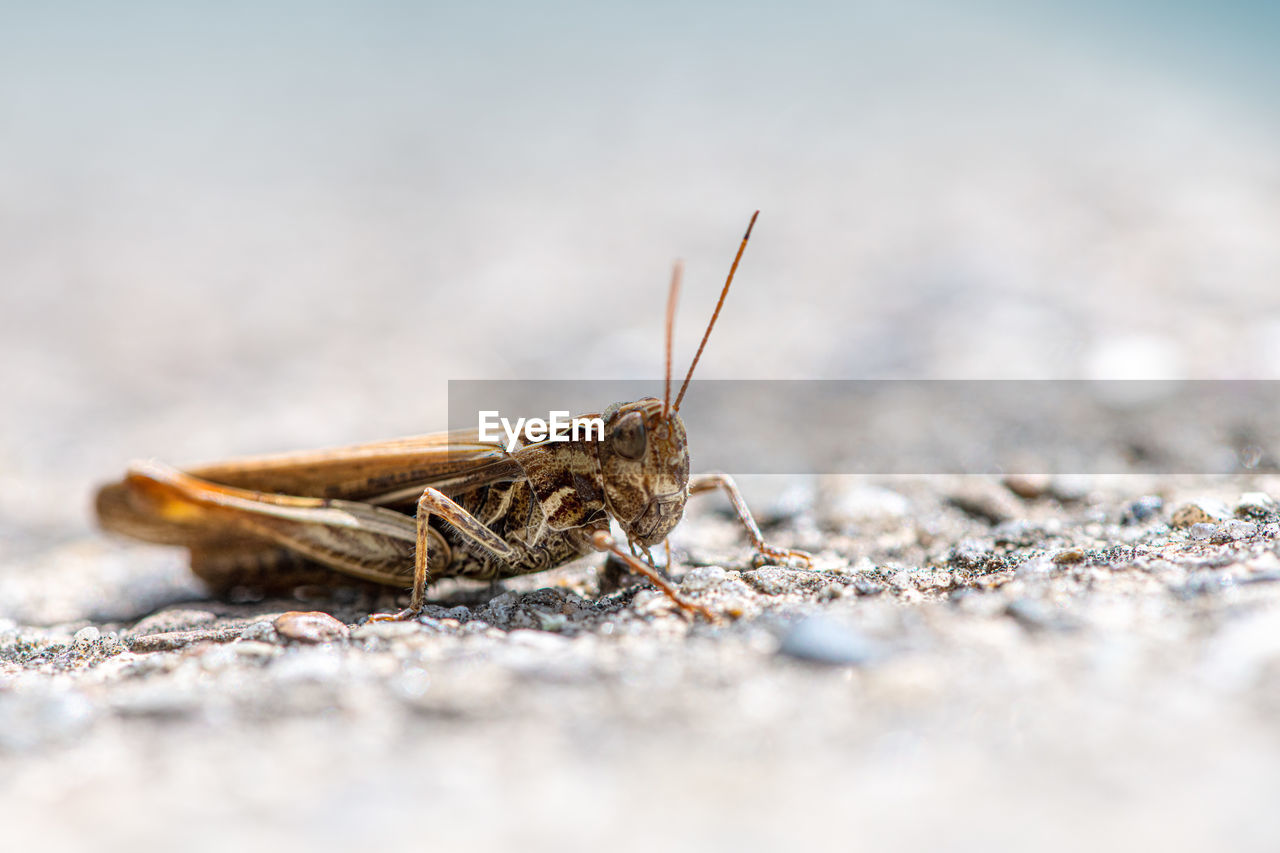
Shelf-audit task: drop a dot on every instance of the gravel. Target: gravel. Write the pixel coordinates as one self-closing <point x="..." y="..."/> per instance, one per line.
<point x="954" y="662"/>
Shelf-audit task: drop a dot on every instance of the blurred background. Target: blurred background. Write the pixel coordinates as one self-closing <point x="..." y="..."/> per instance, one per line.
<point x="266" y="226"/>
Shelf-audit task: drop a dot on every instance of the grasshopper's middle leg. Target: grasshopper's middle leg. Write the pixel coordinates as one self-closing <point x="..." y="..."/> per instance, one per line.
<point x="434" y="502"/>
<point x="700" y="483"/>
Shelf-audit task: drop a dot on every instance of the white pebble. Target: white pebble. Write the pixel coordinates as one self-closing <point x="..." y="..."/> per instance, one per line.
<point x="86" y="636"/>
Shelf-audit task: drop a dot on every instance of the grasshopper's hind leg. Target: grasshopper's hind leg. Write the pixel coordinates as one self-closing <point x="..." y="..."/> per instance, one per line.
<point x="765" y="553"/>
<point x="358" y="540"/>
<point x="266" y="569"/>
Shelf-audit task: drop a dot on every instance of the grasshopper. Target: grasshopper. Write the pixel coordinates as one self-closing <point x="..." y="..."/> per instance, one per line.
<point x="402" y="512"/>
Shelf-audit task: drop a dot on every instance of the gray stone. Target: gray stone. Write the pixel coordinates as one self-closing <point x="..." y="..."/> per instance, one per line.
<point x="820" y="639"/>
<point x="261" y="632"/>
<point x="1233" y="530"/>
<point x="1202" y="530"/>
<point x="703" y="577"/>
<point x="1144" y="508"/>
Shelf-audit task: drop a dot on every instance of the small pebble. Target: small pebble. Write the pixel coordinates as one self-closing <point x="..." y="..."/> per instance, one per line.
<point x="1144" y="508"/>
<point x="310" y="627"/>
<point x="703" y="577"/>
<point x="1199" y="512"/>
<point x="1202" y="530"/>
<point x="867" y="587"/>
<point x="1070" y="555"/>
<point x="985" y="500"/>
<point x="1234" y="530"/>
<point x="1070" y="488"/>
<point x="1028" y="486"/>
<point x="86" y="636"/>
<point x="819" y="639"/>
<point x="974" y="555"/>
<point x="501" y="608"/>
<point x="1258" y="505"/>
<point x="260" y="632"/>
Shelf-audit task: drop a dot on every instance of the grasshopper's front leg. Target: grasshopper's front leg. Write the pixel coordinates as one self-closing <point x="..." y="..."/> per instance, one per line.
<point x="765" y="553"/>
<point x="602" y="541"/>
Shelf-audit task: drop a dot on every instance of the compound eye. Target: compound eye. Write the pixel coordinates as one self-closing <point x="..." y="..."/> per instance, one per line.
<point x="628" y="436"/>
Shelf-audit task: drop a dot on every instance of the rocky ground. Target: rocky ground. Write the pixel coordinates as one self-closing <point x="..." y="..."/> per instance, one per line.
<point x="1047" y="663"/>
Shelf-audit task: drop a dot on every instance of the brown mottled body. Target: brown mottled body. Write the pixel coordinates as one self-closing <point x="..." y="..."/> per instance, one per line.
<point x="403" y="512"/>
<point x="233" y="547"/>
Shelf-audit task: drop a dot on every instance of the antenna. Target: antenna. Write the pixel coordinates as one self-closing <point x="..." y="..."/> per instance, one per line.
<point x="673" y="296"/>
<point x="723" y="293"/>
